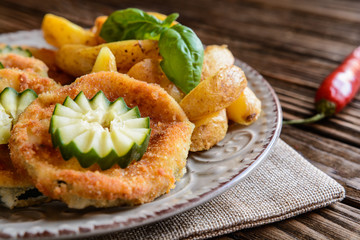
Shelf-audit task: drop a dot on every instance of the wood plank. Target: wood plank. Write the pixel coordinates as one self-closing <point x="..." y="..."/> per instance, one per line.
<point x="13" y="19"/>
<point x="341" y="220"/>
<point x="326" y="227"/>
<point x="346" y="211"/>
<point x="335" y="216"/>
<point x="268" y="232"/>
<point x="321" y="8"/>
<point x="298" y="228"/>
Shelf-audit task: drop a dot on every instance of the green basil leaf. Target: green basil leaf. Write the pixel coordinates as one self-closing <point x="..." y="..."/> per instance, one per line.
<point x="181" y="49"/>
<point x="169" y="19"/>
<point x="134" y="23"/>
<point x="183" y="55"/>
<point x="1" y="66"/>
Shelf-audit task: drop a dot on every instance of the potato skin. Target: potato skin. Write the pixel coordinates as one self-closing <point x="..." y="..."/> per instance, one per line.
<point x="209" y="131"/>
<point x="149" y="70"/>
<point x="78" y="60"/>
<point x="215" y="57"/>
<point x="59" y="31"/>
<point x="212" y="128"/>
<point x="99" y="21"/>
<point x="214" y="93"/>
<point x="246" y="109"/>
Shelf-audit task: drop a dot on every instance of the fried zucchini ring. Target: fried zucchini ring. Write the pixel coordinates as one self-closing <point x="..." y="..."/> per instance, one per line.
<point x="155" y="174"/>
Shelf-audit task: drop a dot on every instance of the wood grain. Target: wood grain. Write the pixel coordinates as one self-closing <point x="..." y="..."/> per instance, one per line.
<point x="294" y="45"/>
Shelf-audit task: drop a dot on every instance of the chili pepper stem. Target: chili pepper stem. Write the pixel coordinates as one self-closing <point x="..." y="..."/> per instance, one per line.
<point x="315" y="118"/>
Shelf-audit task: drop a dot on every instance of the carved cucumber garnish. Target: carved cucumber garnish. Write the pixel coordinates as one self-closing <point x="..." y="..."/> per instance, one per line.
<point x="12" y="104"/>
<point x="99" y="131"/>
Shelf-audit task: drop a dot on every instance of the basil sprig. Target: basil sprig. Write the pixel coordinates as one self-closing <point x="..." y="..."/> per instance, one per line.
<point x="134" y="23"/>
<point x="182" y="56"/>
<point x="180" y="48"/>
<point x="1" y="66"/>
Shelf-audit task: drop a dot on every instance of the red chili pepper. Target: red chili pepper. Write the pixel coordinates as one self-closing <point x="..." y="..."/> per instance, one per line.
<point x="337" y="89"/>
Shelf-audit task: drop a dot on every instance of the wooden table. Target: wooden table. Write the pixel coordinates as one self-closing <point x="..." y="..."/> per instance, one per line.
<point x="294" y="45"/>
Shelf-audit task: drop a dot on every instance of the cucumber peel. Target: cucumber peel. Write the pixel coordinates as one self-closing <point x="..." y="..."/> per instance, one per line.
<point x="12" y="104"/>
<point x="99" y="131"/>
<point x="15" y="50"/>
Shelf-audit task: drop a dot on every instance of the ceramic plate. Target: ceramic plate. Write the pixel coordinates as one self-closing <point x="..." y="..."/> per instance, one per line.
<point x="208" y="174"/>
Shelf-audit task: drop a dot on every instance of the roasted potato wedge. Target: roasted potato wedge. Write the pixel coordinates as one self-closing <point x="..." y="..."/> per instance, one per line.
<point x="59" y="31"/>
<point x="149" y="70"/>
<point x="99" y="21"/>
<point x="105" y="61"/>
<point x="212" y="128"/>
<point x="216" y="57"/>
<point x="208" y="131"/>
<point x="79" y="60"/>
<point x="214" y="93"/>
<point x="246" y="109"/>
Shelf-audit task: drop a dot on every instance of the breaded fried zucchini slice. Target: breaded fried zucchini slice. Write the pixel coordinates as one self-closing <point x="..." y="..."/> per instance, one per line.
<point x="16" y="187"/>
<point x="39" y="57"/>
<point x="12" y="60"/>
<point x="142" y="181"/>
<point x="22" y="80"/>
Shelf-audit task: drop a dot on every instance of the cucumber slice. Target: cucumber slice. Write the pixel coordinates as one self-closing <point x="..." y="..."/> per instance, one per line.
<point x="5" y="125"/>
<point x="9" y="100"/>
<point x="137" y="135"/>
<point x="12" y="104"/>
<point x="24" y="99"/>
<point x="73" y="105"/>
<point x="63" y="111"/>
<point x="16" y="50"/>
<point x="83" y="102"/>
<point x="99" y="101"/>
<point x="99" y="131"/>
<point x="137" y="123"/>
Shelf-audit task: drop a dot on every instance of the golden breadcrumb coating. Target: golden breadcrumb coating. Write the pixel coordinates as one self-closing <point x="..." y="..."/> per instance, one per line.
<point x="11" y="60"/>
<point x="21" y="80"/>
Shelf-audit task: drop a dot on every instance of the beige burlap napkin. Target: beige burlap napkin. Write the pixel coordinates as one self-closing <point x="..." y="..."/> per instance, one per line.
<point x="284" y="185"/>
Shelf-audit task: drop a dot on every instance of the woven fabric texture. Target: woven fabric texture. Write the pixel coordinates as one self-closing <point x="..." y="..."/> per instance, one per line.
<point x="284" y="186"/>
